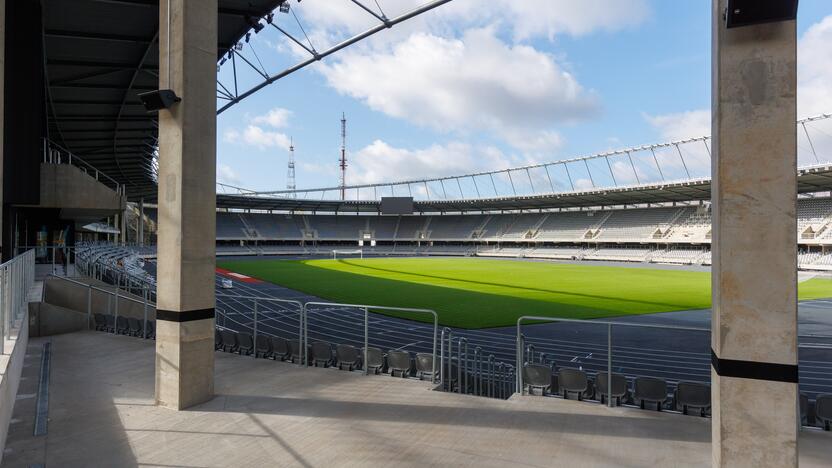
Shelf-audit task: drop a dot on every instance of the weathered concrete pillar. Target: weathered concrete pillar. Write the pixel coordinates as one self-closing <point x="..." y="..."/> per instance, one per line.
<point x="187" y="204"/>
<point x="754" y="330"/>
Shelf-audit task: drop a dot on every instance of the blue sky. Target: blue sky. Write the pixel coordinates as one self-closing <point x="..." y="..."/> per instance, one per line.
<point x="478" y="85"/>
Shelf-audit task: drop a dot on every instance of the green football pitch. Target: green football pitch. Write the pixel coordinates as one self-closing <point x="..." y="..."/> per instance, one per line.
<point x="477" y="293"/>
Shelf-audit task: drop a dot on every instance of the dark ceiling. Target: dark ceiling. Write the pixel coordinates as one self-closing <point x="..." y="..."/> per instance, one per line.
<point x="99" y="55"/>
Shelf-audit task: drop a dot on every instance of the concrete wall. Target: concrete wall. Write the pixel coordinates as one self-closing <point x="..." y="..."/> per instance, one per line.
<point x="11" y="367"/>
<point x="65" y="186"/>
<point x="74" y="296"/>
<point x="47" y="319"/>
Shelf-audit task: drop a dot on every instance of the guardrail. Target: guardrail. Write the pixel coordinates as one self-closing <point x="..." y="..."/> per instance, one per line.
<point x="54" y="153"/>
<point x="16" y="278"/>
<point x="254" y="324"/>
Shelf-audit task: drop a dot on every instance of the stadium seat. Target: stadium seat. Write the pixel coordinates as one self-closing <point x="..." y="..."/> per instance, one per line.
<point x="217" y="339"/>
<point x="151" y="330"/>
<point x="348" y="357"/>
<point x="573" y="381"/>
<point x="424" y="366"/>
<point x="229" y="341"/>
<point x="263" y="347"/>
<point x="321" y="354"/>
<point x="375" y="360"/>
<point x="122" y="327"/>
<point x="110" y="321"/>
<point x="100" y="321"/>
<point x="296" y="356"/>
<point x="692" y="395"/>
<point x="245" y="343"/>
<point x="804" y="409"/>
<point x="537" y="376"/>
<point x="134" y="326"/>
<point x="619" y="387"/>
<point x="823" y="411"/>
<point x="399" y="363"/>
<point x="280" y="348"/>
<point x="650" y="390"/>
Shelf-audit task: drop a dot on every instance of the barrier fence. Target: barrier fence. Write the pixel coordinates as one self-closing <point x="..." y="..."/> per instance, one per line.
<point x="17" y="276"/>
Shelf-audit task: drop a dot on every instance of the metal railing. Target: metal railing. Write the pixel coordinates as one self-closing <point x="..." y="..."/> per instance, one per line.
<point x="256" y="325"/>
<point x="17" y="276"/>
<point x="54" y="153"/>
<point x="60" y="257"/>
<point x="332" y="307"/>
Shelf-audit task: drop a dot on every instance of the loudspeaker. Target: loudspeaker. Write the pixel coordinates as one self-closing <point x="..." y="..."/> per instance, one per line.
<point x="750" y="12"/>
<point x="161" y="99"/>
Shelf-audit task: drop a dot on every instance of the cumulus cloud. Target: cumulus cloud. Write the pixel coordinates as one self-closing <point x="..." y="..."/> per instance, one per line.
<point x="682" y="125"/>
<point x="227" y="175"/>
<point x="381" y="162"/>
<point x="254" y="134"/>
<point x="814" y="69"/>
<point x="476" y="82"/>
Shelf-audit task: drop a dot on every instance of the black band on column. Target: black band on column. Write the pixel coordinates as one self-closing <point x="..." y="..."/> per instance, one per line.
<point x="754" y="370"/>
<point x="184" y="315"/>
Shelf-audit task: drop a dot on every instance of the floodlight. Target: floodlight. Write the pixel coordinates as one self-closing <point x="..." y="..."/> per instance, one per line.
<point x="750" y="12"/>
<point x="284" y="7"/>
<point x="255" y="24"/>
<point x="159" y="99"/>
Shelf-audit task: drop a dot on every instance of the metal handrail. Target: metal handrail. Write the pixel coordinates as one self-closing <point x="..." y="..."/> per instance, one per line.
<point x="17" y="276"/>
<point x="366" y="309"/>
<point x="52" y="155"/>
<point x="255" y="299"/>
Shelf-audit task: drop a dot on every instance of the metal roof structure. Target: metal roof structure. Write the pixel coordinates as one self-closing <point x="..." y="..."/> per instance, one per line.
<point x="99" y="54"/>
<point x="811" y="179"/>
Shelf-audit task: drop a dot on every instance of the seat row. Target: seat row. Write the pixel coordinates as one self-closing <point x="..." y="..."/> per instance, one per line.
<point x="645" y="391"/>
<point x="323" y="354"/>
<point x="123" y="325"/>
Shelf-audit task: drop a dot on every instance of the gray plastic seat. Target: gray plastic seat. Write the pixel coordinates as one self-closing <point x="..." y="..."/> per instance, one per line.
<point x="348" y="357"/>
<point x="217" y="339"/>
<point x="134" y="327"/>
<point x="804" y="409"/>
<point x="122" y="327"/>
<point x="321" y="354"/>
<point x="650" y="390"/>
<point x="263" y="346"/>
<point x="823" y="411"/>
<point x="537" y="376"/>
<point x="424" y="366"/>
<point x="399" y="363"/>
<point x="110" y="323"/>
<point x="150" y="330"/>
<point x="573" y="381"/>
<point x="295" y="354"/>
<point x="280" y="348"/>
<point x="375" y="360"/>
<point x="245" y="343"/>
<point x="229" y="341"/>
<point x="619" y="387"/>
<point x="693" y="395"/>
<point x="100" y="321"/>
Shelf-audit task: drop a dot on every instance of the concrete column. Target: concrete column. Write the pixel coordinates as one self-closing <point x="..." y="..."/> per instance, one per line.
<point x="754" y="329"/>
<point x="187" y="204"/>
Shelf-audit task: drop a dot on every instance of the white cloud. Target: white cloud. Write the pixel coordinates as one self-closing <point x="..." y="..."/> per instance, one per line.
<point x="682" y="125"/>
<point x="255" y="135"/>
<point x="814" y="70"/>
<point x="227" y="175"/>
<point x="473" y="83"/>
<point x="277" y="118"/>
<point x="381" y="162"/>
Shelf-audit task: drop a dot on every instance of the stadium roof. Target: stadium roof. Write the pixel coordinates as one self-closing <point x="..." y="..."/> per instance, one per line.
<point x="810" y="180"/>
<point x="96" y="64"/>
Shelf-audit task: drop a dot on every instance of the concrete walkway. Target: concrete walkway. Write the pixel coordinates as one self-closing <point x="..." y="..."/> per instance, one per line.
<point x="266" y="413"/>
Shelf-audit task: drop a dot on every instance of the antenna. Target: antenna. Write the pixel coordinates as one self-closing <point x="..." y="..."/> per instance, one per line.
<point x="290" y="176"/>
<point x="343" y="164"/>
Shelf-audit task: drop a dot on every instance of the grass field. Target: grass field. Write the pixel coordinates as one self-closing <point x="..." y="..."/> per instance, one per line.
<point x="477" y="293"/>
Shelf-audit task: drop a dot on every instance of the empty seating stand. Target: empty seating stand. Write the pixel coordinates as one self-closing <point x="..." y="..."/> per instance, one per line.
<point x="619" y="392"/>
<point x="375" y="360"/>
<point x="321" y="354"/>
<point x="573" y="381"/>
<point x="537" y="376"/>
<point x="348" y="357"/>
<point x="823" y="411"/>
<point x="399" y="363"/>
<point x="692" y="395"/>
<point x="650" y="390"/>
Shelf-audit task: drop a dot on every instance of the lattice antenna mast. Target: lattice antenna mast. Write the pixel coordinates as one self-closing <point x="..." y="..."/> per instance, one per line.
<point x="290" y="176"/>
<point x="343" y="163"/>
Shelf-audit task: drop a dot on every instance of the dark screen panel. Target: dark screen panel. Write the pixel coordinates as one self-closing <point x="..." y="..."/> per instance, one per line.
<point x="397" y="205"/>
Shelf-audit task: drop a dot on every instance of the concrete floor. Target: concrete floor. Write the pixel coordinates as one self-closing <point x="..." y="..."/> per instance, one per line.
<point x="266" y="413"/>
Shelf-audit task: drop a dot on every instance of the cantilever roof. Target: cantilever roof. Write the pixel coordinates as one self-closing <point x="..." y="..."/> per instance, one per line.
<point x="811" y="179"/>
<point x="99" y="55"/>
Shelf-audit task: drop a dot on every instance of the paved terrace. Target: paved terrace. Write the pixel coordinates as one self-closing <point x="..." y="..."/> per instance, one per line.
<point x="267" y="413"/>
